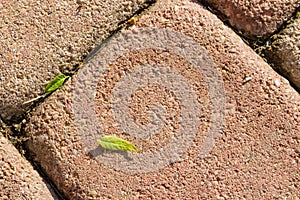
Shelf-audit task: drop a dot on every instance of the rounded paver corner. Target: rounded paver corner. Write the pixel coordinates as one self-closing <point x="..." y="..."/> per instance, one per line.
<point x="284" y="51"/>
<point x="39" y="40"/>
<point x="256" y="19"/>
<point x="143" y="86"/>
<point x="18" y="179"/>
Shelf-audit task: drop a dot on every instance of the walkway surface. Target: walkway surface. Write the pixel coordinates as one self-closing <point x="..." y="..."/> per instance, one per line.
<point x="210" y="117"/>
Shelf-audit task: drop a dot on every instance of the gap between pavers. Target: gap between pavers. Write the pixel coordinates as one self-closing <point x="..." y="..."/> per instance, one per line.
<point x="18" y="179"/>
<point x="284" y="51"/>
<point x="38" y="40"/>
<point x="255" y="155"/>
<point x="256" y="19"/>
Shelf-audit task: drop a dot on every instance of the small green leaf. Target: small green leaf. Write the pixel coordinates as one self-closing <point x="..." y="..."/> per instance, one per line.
<point x="56" y="83"/>
<point x="111" y="142"/>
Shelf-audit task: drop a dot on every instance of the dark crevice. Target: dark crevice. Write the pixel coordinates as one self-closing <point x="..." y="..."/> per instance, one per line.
<point x="121" y="25"/>
<point x="16" y="126"/>
<point x="30" y="107"/>
<point x="16" y="135"/>
<point x="225" y="20"/>
<point x="253" y="42"/>
<point x="17" y="118"/>
<point x="259" y="45"/>
<point x="266" y="42"/>
<point x="265" y="50"/>
<point x="57" y="195"/>
<point x="2" y="124"/>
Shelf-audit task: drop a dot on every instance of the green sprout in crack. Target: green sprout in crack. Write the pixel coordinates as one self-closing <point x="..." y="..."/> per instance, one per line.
<point x="56" y="83"/>
<point x="53" y="85"/>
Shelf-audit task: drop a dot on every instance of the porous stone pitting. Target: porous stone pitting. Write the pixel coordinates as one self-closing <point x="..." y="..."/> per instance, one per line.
<point x="284" y="51"/>
<point x="255" y="157"/>
<point x="18" y="179"/>
<point x="256" y="19"/>
<point x="40" y="39"/>
<point x="141" y="101"/>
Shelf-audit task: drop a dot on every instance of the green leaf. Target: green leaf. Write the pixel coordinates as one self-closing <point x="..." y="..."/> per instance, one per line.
<point x="111" y="142"/>
<point x="56" y="83"/>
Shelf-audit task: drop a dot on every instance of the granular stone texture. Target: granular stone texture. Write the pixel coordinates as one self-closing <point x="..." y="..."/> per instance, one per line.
<point x="284" y="51"/>
<point x="256" y="19"/>
<point x="40" y="39"/>
<point x="145" y="90"/>
<point x="18" y="179"/>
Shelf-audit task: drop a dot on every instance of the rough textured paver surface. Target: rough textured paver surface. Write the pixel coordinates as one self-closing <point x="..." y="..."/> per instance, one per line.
<point x="255" y="156"/>
<point x="285" y="51"/>
<point x="18" y="179"/>
<point x="39" y="39"/>
<point x="256" y="19"/>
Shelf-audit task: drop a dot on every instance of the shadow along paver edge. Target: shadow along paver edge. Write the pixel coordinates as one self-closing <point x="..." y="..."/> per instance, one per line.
<point x="40" y="40"/>
<point x="284" y="51"/>
<point x="256" y="152"/>
<point x="18" y="179"/>
<point x="256" y="20"/>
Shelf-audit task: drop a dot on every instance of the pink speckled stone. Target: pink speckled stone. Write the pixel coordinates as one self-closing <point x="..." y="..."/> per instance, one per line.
<point x="254" y="156"/>
<point x="256" y="19"/>
<point x="40" y="39"/>
<point x="284" y="51"/>
<point x="18" y="179"/>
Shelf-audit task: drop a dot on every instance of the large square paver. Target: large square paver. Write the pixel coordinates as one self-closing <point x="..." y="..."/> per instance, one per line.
<point x="40" y="39"/>
<point x="284" y="51"/>
<point x="18" y="179"/>
<point x="210" y="118"/>
<point x="256" y="19"/>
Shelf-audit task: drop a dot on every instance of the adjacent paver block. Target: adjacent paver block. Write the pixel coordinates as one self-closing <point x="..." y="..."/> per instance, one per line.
<point x="180" y="66"/>
<point x="256" y="19"/>
<point x="40" y="39"/>
<point x="285" y="51"/>
<point x="18" y="179"/>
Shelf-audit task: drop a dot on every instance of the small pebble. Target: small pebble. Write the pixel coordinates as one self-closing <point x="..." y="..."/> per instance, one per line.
<point x="277" y="82"/>
<point x="92" y="193"/>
